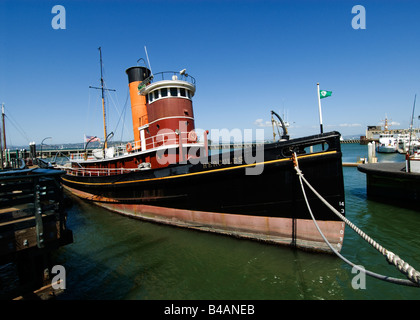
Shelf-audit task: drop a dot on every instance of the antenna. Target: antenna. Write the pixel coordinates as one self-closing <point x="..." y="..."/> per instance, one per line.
<point x="147" y="56"/>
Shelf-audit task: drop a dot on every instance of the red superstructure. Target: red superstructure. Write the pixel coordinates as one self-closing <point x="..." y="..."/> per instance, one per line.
<point x="163" y="126"/>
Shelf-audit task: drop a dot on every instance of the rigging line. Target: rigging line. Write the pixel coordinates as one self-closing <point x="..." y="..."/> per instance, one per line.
<point x="88" y="112"/>
<point x="17" y="127"/>
<point x="120" y="114"/>
<point x="96" y="113"/>
<point x="9" y="116"/>
<point x="93" y="112"/>
<point x="123" y="114"/>
<point x="405" y="268"/>
<point x="109" y="96"/>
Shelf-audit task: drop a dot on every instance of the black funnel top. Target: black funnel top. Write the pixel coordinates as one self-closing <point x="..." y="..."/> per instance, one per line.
<point x="137" y="73"/>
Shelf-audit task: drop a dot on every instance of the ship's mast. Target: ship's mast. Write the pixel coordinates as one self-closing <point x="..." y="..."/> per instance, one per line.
<point x="103" y="98"/>
<point x="4" y="128"/>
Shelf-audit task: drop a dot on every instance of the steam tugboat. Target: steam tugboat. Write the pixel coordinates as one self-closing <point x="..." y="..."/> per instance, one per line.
<point x="167" y="175"/>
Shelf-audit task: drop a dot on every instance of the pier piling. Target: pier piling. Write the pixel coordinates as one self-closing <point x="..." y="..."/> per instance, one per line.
<point x="32" y="226"/>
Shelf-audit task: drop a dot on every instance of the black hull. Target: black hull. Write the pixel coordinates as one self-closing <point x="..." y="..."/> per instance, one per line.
<point x="226" y="188"/>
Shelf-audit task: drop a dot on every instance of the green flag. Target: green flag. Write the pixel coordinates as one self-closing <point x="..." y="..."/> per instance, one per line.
<point x="324" y="93"/>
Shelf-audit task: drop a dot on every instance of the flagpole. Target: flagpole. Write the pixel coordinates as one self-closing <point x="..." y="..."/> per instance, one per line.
<point x="319" y="108"/>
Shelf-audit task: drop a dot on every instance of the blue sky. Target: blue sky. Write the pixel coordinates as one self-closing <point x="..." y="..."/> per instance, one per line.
<point x="248" y="57"/>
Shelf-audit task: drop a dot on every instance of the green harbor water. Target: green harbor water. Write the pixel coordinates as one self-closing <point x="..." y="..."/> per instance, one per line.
<point x="115" y="257"/>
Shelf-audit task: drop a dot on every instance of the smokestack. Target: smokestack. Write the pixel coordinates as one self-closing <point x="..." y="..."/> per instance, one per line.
<point x="138" y="102"/>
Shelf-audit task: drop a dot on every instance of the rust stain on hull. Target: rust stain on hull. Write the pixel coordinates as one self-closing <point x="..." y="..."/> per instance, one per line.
<point x="274" y="230"/>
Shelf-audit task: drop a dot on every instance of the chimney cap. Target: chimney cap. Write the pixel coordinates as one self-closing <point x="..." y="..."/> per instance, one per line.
<point x="137" y="73"/>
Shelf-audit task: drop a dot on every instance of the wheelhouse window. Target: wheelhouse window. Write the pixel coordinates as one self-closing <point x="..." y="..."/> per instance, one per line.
<point x="161" y="93"/>
<point x="174" y="92"/>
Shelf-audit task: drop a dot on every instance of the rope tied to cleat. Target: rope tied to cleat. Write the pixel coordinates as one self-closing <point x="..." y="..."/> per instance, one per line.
<point x="392" y="258"/>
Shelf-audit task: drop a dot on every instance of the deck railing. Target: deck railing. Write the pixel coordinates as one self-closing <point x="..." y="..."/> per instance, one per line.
<point x="168" y="75"/>
<point x="92" y="172"/>
<point x="171" y="138"/>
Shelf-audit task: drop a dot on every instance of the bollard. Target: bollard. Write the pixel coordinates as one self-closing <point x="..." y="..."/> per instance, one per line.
<point x="370" y="152"/>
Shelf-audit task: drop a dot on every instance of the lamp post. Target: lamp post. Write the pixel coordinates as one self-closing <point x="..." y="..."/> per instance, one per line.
<point x="42" y="142"/>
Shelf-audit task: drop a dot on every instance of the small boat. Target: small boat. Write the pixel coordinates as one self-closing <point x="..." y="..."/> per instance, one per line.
<point x="167" y="174"/>
<point x="387" y="143"/>
<point x="406" y="143"/>
<point x="403" y="143"/>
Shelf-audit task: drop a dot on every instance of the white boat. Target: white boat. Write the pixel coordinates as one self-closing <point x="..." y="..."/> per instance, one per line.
<point x="405" y="143"/>
<point x="387" y="143"/>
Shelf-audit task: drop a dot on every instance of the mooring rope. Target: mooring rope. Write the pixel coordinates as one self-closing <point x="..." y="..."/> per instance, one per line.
<point x="400" y="264"/>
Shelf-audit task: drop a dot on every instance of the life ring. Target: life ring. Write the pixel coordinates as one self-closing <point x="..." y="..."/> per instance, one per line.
<point x="192" y="136"/>
<point x="129" y="147"/>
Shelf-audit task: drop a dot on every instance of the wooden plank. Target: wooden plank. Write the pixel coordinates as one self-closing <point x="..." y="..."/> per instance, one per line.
<point x="16" y="212"/>
<point x="46" y="292"/>
<point x="350" y="164"/>
<point x="25" y="222"/>
<point x="16" y="185"/>
<point x="17" y="208"/>
<point x="18" y="218"/>
<point x="13" y="241"/>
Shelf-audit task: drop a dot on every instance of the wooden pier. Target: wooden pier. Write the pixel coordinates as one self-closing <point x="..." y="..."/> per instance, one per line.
<point x="351" y="164"/>
<point x="32" y="226"/>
